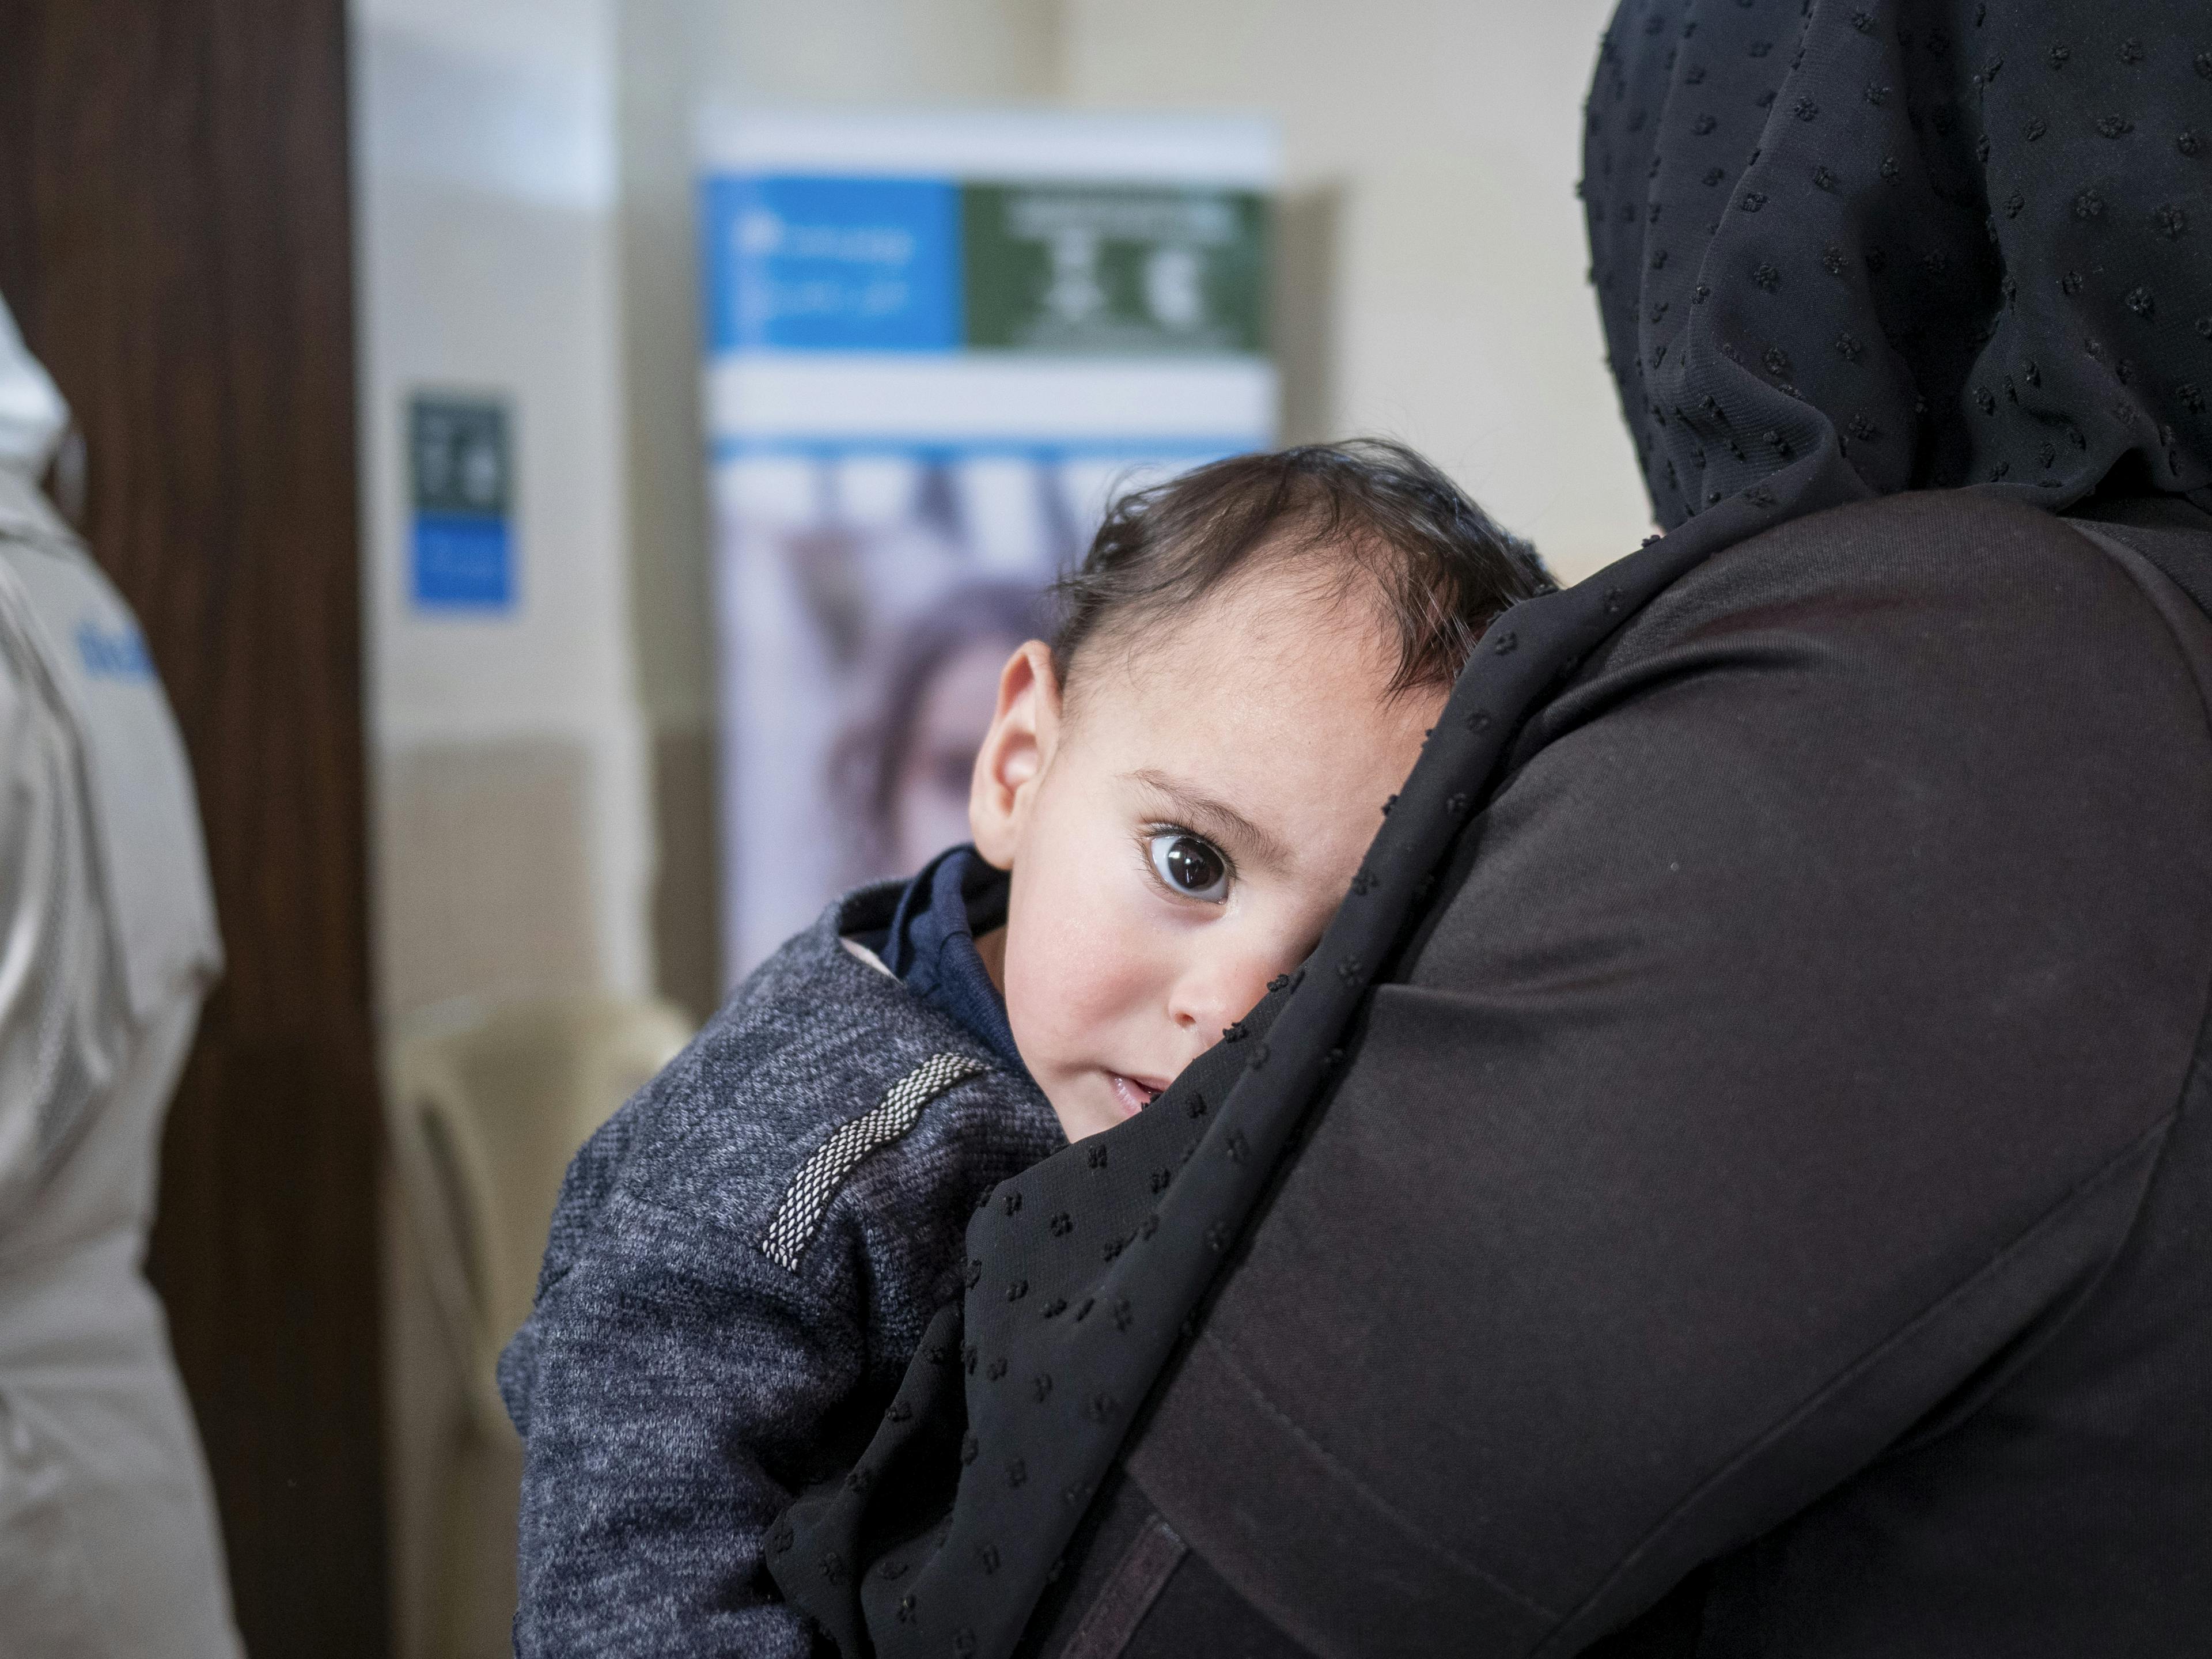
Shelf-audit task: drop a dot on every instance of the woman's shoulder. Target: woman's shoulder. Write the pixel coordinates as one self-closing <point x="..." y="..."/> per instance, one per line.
<point x="1971" y="553"/>
<point x="1956" y="621"/>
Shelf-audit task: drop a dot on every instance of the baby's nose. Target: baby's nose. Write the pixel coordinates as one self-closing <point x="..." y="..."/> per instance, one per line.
<point x="1209" y="998"/>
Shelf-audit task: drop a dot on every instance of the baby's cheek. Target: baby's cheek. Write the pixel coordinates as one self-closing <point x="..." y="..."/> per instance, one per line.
<point x="1071" y="989"/>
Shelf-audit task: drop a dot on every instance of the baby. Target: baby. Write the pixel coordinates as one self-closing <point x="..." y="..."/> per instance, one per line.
<point x="1172" y="798"/>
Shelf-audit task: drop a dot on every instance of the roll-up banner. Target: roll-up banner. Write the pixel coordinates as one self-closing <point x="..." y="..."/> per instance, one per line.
<point x="938" y="345"/>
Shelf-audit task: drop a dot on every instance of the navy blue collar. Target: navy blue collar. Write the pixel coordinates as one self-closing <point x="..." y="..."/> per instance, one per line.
<point x="931" y="946"/>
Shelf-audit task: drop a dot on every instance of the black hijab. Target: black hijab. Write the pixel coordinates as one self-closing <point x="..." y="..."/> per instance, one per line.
<point x="1843" y="248"/>
<point x="1964" y="244"/>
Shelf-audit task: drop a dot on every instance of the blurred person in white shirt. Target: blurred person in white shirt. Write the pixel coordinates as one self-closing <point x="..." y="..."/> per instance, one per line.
<point x="108" y="1540"/>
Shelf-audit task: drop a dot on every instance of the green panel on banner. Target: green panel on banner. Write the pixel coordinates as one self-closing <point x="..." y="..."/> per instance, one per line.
<point x="1108" y="270"/>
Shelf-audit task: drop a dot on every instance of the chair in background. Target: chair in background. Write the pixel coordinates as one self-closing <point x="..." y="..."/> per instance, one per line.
<point x="485" y="1107"/>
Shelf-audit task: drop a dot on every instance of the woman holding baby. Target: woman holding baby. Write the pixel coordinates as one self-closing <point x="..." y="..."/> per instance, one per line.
<point x="1733" y="1176"/>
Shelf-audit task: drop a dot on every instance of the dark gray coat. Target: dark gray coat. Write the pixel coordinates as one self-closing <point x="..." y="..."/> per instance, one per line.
<point x="740" y="1264"/>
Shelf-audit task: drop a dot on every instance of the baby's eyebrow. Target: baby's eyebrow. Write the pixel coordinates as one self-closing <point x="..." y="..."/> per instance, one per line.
<point x="1216" y="820"/>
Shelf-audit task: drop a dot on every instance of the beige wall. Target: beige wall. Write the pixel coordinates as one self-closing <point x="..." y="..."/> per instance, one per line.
<point x="1432" y="288"/>
<point x="1439" y="141"/>
<point x="511" y="817"/>
<point x="545" y="786"/>
<point x="510" y="813"/>
<point x="1430" y="267"/>
<point x="675" y="58"/>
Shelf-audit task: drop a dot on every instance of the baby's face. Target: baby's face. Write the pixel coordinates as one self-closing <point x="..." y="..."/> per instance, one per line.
<point x="1182" y="831"/>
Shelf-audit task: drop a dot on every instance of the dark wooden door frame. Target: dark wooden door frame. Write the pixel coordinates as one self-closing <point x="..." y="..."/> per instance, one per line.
<point x="176" y="241"/>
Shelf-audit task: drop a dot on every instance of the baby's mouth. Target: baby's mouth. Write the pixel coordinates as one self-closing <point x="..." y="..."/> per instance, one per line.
<point x="1132" y="1094"/>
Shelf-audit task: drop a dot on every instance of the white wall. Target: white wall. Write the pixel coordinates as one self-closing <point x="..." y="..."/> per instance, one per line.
<point x="511" y="827"/>
<point x="485" y="183"/>
<point x="677" y="57"/>
<point x="1431" y="265"/>
<point x="524" y="187"/>
<point x="524" y="174"/>
<point x="1443" y="138"/>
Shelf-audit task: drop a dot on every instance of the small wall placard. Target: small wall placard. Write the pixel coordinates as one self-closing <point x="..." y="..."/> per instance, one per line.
<point x="462" y="554"/>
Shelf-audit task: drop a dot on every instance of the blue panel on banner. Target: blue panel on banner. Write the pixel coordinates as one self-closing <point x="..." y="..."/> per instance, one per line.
<point x="463" y="559"/>
<point x="804" y="263"/>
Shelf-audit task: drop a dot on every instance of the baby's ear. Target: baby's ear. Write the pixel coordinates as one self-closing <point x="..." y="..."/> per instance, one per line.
<point x="1024" y="731"/>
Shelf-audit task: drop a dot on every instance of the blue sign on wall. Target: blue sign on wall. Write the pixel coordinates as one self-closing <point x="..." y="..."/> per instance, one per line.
<point x="807" y="264"/>
<point x="462" y="556"/>
<point x="462" y="561"/>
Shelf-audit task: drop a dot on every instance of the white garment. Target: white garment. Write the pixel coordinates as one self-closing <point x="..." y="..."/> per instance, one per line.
<point x="108" y="1543"/>
<point x="32" y="413"/>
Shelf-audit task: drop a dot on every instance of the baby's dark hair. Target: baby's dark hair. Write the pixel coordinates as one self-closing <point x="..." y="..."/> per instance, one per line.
<point x="1441" y="568"/>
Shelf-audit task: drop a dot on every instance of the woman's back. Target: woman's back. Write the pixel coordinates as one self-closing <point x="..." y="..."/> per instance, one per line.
<point x="1785" y="1149"/>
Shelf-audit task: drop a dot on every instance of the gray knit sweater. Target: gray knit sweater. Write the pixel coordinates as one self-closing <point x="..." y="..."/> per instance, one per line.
<point x="740" y="1264"/>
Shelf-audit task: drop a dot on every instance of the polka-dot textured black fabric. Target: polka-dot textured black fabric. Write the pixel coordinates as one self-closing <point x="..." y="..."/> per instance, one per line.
<point x="1973" y="242"/>
<point x="1084" y="1273"/>
<point x="1817" y="290"/>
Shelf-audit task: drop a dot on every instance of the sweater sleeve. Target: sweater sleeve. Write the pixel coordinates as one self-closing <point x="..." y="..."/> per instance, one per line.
<point x="666" y="1377"/>
<point x="740" y="1266"/>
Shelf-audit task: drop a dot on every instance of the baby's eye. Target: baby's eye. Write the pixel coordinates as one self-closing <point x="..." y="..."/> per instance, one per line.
<point x="1189" y="866"/>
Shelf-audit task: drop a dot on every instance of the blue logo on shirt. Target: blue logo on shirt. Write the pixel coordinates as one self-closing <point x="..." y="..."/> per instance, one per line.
<point x="120" y="655"/>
